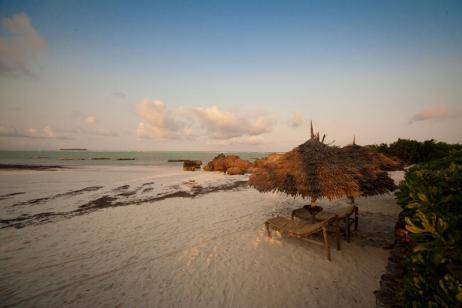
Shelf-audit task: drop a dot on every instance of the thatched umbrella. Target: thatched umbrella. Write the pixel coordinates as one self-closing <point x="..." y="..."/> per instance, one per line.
<point x="373" y="180"/>
<point x="313" y="169"/>
<point x="366" y="156"/>
<point x="316" y="170"/>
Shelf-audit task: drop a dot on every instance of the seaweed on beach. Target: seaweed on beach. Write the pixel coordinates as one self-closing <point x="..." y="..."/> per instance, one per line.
<point x="31" y="167"/>
<point x="10" y="195"/>
<point x="66" y="194"/>
<point x="107" y="201"/>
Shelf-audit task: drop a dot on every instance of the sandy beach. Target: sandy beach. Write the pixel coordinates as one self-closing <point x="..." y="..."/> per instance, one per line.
<point x="164" y="237"/>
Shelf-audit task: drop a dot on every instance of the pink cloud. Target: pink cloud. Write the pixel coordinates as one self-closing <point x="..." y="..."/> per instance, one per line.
<point x="20" y="46"/>
<point x="434" y="113"/>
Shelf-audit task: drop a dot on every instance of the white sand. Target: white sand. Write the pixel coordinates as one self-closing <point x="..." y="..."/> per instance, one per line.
<point x="207" y="251"/>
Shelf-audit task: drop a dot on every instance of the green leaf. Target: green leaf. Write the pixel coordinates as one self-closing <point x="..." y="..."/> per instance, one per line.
<point x="422" y="197"/>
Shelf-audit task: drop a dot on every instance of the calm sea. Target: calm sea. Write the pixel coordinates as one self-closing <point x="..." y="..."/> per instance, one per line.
<point x="110" y="158"/>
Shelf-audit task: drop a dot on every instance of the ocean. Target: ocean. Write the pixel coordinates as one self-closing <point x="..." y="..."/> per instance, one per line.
<point x="112" y="158"/>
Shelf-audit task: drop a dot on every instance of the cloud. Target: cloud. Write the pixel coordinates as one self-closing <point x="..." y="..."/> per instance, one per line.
<point x="434" y="113"/>
<point x="88" y="124"/>
<point x="296" y="120"/>
<point x="244" y="140"/>
<point x="20" y="46"/>
<point x="90" y="120"/>
<point x="49" y="133"/>
<point x="158" y="122"/>
<point x="220" y="124"/>
<point x="32" y="133"/>
<point x="95" y="131"/>
<point x="211" y="123"/>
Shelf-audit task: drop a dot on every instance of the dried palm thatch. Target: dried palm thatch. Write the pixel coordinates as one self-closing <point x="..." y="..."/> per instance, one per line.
<point x="313" y="169"/>
<point x="373" y="180"/>
<point x="366" y="156"/>
<point x="316" y="170"/>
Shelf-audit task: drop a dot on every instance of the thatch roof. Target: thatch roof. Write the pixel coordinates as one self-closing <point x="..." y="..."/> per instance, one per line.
<point x="313" y="169"/>
<point x="317" y="170"/>
<point x="366" y="156"/>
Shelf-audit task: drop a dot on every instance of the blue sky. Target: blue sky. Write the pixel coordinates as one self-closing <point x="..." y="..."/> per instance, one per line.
<point x="227" y="75"/>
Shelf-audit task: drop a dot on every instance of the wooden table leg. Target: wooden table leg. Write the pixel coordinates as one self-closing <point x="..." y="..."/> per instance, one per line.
<point x="326" y="242"/>
<point x="347" y="220"/>
<point x="337" y="233"/>
<point x="356" y="218"/>
<point x="268" y="229"/>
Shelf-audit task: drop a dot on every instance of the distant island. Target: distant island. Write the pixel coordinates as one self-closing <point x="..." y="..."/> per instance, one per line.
<point x="73" y="149"/>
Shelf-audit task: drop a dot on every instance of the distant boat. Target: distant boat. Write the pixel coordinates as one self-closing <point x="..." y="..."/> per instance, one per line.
<point x="73" y="149"/>
<point x="100" y="158"/>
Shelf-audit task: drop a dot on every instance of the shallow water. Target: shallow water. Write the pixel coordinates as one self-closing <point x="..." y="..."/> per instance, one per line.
<point x="140" y="158"/>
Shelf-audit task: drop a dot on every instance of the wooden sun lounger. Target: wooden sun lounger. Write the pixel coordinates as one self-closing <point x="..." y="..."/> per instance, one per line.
<point x="303" y="230"/>
<point x="343" y="215"/>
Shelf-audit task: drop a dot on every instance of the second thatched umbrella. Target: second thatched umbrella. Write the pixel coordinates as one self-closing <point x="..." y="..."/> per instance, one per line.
<point x="373" y="180"/>
<point x="366" y="156"/>
<point x="313" y="169"/>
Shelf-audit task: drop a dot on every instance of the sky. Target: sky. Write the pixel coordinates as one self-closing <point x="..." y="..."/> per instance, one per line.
<point x="227" y="75"/>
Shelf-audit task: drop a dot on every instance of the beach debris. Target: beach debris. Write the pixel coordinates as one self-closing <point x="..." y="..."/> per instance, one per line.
<point x="120" y="188"/>
<point x="102" y="202"/>
<point x="148" y="189"/>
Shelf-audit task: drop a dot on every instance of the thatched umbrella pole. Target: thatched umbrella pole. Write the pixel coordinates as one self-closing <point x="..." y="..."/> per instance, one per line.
<point x="311" y="130"/>
<point x="313" y="201"/>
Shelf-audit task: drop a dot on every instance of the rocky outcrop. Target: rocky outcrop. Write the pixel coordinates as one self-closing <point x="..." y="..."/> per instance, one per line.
<point x="234" y="165"/>
<point x="235" y="171"/>
<point x="231" y="164"/>
<point x="191" y="165"/>
<point x="270" y="158"/>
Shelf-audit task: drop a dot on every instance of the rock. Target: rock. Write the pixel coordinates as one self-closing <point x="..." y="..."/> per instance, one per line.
<point x="235" y="171"/>
<point x="269" y="159"/>
<point x="223" y="163"/>
<point x="191" y="165"/>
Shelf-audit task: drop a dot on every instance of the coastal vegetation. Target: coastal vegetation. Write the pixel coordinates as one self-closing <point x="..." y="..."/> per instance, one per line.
<point x="412" y="151"/>
<point x="426" y="265"/>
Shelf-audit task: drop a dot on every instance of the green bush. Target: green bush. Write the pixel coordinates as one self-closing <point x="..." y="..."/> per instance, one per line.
<point x="412" y="151"/>
<point x="431" y="197"/>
